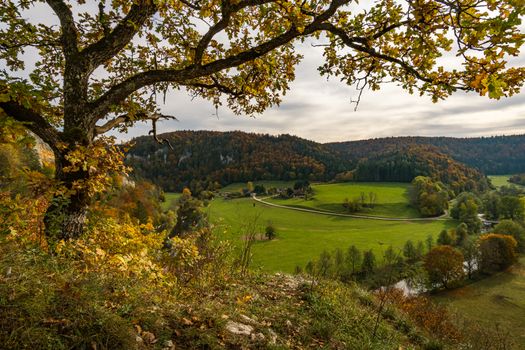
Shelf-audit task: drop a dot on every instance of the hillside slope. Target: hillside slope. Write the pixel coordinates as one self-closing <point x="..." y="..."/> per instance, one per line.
<point x="228" y="157"/>
<point x="491" y="155"/>
<point x="405" y="162"/>
<point x="206" y="159"/>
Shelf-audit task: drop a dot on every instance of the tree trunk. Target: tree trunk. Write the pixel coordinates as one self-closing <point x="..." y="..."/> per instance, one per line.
<point x="66" y="216"/>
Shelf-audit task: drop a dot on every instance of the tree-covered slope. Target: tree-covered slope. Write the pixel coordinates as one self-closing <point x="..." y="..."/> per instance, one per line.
<point x="491" y="155"/>
<point x="203" y="159"/>
<point x="404" y="163"/>
<point x="228" y="157"/>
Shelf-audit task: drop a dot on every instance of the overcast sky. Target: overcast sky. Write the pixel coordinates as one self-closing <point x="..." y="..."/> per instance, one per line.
<point x="321" y="110"/>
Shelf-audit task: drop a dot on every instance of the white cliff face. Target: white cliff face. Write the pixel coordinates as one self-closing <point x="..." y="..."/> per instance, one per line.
<point x="227" y="159"/>
<point x="44" y="152"/>
<point x="184" y="156"/>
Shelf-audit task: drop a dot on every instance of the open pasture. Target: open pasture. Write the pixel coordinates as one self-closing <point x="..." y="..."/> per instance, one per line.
<point x="392" y="198"/>
<point x="502" y="180"/>
<point x="303" y="236"/>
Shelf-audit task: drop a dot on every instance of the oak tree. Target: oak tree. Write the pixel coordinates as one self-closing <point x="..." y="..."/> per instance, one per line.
<point x="105" y="64"/>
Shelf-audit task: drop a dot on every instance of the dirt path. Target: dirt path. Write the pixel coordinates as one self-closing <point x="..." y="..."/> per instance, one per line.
<point x="331" y="213"/>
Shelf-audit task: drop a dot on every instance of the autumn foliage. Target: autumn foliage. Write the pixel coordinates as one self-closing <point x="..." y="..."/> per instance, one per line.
<point x="498" y="252"/>
<point x="433" y="318"/>
<point x="444" y="265"/>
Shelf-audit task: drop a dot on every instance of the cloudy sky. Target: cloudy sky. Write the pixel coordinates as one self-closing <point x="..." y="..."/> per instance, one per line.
<point x="321" y="110"/>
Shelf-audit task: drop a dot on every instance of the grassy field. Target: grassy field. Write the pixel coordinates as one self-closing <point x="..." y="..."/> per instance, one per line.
<point x="170" y="197"/>
<point x="498" y="299"/>
<point x="501" y="180"/>
<point x="303" y="236"/>
<point x="392" y="198"/>
<point x="268" y="184"/>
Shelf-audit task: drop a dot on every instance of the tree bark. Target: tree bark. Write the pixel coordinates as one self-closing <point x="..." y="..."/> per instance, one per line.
<point x="66" y="216"/>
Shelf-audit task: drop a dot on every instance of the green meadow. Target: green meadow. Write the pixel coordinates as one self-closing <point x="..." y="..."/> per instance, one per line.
<point x="499" y="299"/>
<point x="392" y="198"/>
<point x="169" y="198"/>
<point x="501" y="180"/>
<point x="303" y="236"/>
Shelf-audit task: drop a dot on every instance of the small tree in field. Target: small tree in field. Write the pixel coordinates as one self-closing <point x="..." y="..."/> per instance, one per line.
<point x="104" y="68"/>
<point x="410" y="252"/>
<point x="445" y="238"/>
<point x="444" y="265"/>
<point x="270" y="231"/>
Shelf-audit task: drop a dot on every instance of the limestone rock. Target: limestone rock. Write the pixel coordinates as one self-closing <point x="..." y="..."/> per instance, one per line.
<point x="239" y="328"/>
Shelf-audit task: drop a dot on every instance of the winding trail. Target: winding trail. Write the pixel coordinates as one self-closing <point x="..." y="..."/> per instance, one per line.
<point x="443" y="217"/>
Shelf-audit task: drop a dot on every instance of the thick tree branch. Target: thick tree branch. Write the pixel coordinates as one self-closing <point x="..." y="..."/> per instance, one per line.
<point x="110" y="124"/>
<point x="67" y="23"/>
<point x="219" y="26"/>
<point x="111" y="44"/>
<point x="121" y="91"/>
<point x="121" y="119"/>
<point x="34" y="122"/>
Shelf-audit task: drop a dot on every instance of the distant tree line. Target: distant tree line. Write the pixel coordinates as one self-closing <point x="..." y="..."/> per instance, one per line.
<point x="206" y="160"/>
<point x="409" y="161"/>
<point x="518" y="179"/>
<point x="491" y="155"/>
<point x="456" y="254"/>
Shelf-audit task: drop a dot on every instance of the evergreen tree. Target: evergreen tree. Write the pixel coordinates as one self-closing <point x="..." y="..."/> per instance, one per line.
<point x="445" y="238"/>
<point x="324" y="264"/>
<point x="462" y="232"/>
<point x="190" y="214"/>
<point x="369" y="263"/>
<point x="409" y="251"/>
<point x="429" y="242"/>
<point x="353" y="258"/>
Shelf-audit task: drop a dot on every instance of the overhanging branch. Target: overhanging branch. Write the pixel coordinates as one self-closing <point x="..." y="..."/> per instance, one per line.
<point x="121" y="91"/>
<point x="358" y="45"/>
<point x="34" y="122"/>
<point x="121" y="119"/>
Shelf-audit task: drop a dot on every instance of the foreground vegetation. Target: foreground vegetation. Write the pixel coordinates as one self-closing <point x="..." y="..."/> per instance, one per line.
<point x="116" y="290"/>
<point x="498" y="300"/>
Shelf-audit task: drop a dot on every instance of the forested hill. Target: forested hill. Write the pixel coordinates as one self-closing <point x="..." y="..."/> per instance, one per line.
<point x="491" y="155"/>
<point x="206" y="157"/>
<point x="405" y="162"/>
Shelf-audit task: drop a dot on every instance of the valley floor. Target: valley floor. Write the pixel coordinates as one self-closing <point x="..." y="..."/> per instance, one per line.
<point x="302" y="236"/>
